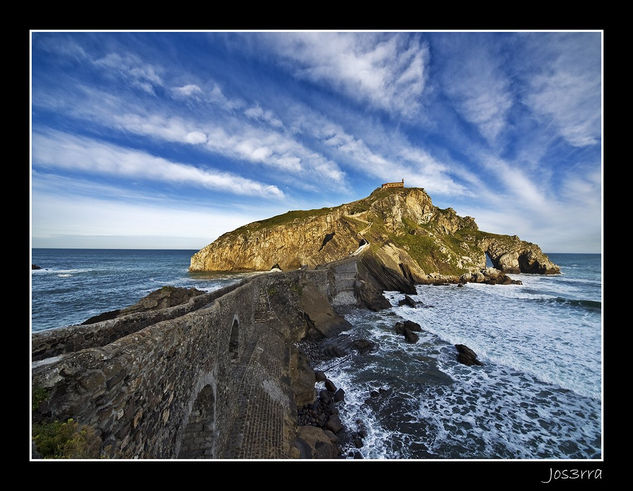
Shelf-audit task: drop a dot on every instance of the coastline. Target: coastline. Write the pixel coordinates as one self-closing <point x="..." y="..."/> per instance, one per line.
<point x="340" y="295"/>
<point x="106" y="373"/>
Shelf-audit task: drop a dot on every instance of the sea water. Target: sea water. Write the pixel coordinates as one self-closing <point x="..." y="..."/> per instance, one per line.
<point x="536" y="396"/>
<point x="75" y="284"/>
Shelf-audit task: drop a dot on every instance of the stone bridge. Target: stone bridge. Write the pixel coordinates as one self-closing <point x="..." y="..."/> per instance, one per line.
<point x="217" y="377"/>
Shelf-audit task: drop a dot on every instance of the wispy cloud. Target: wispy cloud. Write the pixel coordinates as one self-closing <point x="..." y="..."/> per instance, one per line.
<point x="131" y="69"/>
<point x="566" y="86"/>
<point x="64" y="151"/>
<point x="386" y="71"/>
<point x="188" y="90"/>
<point x="473" y="77"/>
<point x="227" y="135"/>
<point x="374" y="150"/>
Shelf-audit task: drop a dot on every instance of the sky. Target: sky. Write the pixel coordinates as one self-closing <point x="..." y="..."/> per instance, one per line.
<point x="166" y="140"/>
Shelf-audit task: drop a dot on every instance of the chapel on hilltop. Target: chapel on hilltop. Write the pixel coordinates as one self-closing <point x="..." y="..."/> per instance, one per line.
<point x="393" y="184"/>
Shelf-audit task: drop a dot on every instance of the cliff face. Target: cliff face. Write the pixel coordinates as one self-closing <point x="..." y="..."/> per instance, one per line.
<point x="400" y="227"/>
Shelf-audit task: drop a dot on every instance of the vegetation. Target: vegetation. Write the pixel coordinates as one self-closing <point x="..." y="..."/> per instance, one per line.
<point x="38" y="396"/>
<point x="65" y="440"/>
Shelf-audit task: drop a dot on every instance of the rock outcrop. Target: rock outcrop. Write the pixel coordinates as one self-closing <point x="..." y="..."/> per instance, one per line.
<point x="399" y="228"/>
<point x="167" y="296"/>
<point x="466" y="356"/>
<point x="220" y="375"/>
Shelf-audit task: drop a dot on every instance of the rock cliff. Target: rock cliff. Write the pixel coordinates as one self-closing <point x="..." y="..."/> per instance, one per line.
<point x="399" y="227"/>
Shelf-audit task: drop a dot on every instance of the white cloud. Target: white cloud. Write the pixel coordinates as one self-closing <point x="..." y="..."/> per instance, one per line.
<point x="195" y="137"/>
<point x="230" y="136"/>
<point x="189" y="90"/>
<point x="566" y="89"/>
<point x="384" y="71"/>
<point x="131" y="69"/>
<point x="473" y="77"/>
<point x="216" y="96"/>
<point x="61" y="150"/>
<point x="60" y="45"/>
<point x="389" y="157"/>
<point x="257" y="113"/>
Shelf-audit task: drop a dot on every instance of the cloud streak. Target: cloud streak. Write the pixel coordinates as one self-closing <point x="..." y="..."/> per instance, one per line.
<point x="473" y="77"/>
<point x="64" y="151"/>
<point x="566" y="89"/>
<point x="386" y="71"/>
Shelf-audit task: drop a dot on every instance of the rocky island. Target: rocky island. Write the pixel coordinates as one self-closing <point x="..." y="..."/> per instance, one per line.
<point x="228" y="374"/>
<point x="398" y="226"/>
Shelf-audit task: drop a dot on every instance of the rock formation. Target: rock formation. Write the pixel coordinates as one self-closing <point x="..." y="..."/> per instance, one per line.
<point x="399" y="227"/>
<point x="220" y="375"/>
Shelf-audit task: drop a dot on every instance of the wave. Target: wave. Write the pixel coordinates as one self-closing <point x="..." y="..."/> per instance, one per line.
<point x="61" y="271"/>
<point x="592" y="305"/>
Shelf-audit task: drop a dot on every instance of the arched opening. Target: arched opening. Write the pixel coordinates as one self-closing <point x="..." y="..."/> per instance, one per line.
<point x="198" y="441"/>
<point x="234" y="340"/>
<point x="489" y="263"/>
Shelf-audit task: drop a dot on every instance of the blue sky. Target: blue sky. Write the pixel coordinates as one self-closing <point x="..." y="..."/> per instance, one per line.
<point x="169" y="139"/>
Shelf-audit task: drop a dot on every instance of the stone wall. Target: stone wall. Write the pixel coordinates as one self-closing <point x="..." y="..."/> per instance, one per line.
<point x="218" y="378"/>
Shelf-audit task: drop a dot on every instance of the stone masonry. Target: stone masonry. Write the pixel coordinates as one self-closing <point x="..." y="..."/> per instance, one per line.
<point x="218" y="377"/>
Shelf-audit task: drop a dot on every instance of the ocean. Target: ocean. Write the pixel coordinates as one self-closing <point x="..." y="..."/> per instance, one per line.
<point x="538" y="394"/>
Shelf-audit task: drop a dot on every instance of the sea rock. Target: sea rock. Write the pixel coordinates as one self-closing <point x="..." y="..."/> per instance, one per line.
<point x="408" y="301"/>
<point x="314" y="443"/>
<point x="339" y="395"/>
<point x="466" y="356"/>
<point x="370" y="297"/>
<point x="35" y="266"/>
<point x="363" y="345"/>
<point x="408" y="329"/>
<point x="489" y="276"/>
<point x="329" y="385"/>
<point x="334" y="424"/>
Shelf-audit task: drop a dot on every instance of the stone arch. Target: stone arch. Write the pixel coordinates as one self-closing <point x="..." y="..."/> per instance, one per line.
<point x="489" y="262"/>
<point x="234" y="339"/>
<point x="200" y="434"/>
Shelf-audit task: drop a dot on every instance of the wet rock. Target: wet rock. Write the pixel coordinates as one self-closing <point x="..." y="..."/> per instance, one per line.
<point x="371" y="297"/>
<point x="408" y="329"/>
<point x="35" y="266"/>
<point x="401" y="327"/>
<point x="314" y="443"/>
<point x="325" y="397"/>
<point x="329" y="385"/>
<point x="363" y="345"/>
<point x="466" y="356"/>
<point x="334" y="424"/>
<point x="489" y="276"/>
<point x="334" y="351"/>
<point x="408" y="301"/>
<point x="411" y="337"/>
<point x="319" y="376"/>
<point x="339" y="395"/>
<point x="333" y="438"/>
<point x="105" y="316"/>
